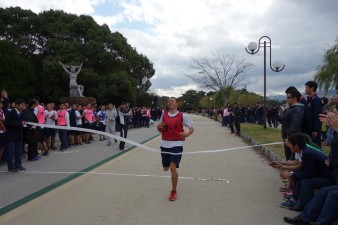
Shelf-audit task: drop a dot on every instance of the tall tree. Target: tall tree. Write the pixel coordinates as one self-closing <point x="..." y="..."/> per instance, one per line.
<point x="327" y="74"/>
<point x="191" y="98"/>
<point x="221" y="73"/>
<point x="18" y="77"/>
<point x="112" y="69"/>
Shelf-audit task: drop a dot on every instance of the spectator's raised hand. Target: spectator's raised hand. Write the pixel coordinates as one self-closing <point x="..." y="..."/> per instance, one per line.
<point x="3" y="94"/>
<point x="332" y="119"/>
<point x="327" y="162"/>
<point x="323" y="119"/>
<point x="334" y="99"/>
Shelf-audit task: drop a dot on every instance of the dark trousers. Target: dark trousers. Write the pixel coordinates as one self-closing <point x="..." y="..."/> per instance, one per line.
<point x="224" y="121"/>
<point x="63" y="139"/>
<point x="323" y="208"/>
<point x="231" y="125"/>
<point x="306" y="187"/>
<point x="318" y="139"/>
<point x="123" y="133"/>
<point x="238" y="126"/>
<point x="13" y="154"/>
<point x="32" y="150"/>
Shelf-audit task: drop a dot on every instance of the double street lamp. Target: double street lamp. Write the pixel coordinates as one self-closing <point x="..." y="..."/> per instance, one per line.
<point x="276" y="66"/>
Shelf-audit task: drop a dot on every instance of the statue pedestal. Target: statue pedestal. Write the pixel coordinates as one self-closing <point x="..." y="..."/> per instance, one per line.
<point x="74" y="92"/>
<point x="79" y="100"/>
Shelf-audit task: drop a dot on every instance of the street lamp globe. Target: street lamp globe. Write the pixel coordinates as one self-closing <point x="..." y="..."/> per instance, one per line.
<point x="210" y="99"/>
<point x="252" y="46"/>
<point x="277" y="64"/>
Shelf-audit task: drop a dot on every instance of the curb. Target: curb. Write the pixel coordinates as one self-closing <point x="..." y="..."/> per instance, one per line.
<point x="262" y="149"/>
<point x="268" y="153"/>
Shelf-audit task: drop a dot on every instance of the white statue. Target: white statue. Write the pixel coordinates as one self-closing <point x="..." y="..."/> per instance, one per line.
<point x="78" y="92"/>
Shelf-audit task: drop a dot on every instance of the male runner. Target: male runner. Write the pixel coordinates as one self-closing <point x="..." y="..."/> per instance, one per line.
<point x="173" y="135"/>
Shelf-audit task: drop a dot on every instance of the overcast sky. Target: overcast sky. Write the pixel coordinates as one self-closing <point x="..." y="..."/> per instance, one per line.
<point x="170" y="33"/>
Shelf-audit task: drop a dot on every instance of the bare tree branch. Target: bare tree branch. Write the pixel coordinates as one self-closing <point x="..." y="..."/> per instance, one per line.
<point x="222" y="72"/>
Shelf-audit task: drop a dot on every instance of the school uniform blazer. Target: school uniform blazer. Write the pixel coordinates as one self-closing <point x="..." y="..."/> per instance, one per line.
<point x="311" y="117"/>
<point x="14" y="129"/>
<point x="313" y="165"/>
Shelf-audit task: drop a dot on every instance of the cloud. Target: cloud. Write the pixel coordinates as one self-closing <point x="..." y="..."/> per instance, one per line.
<point x="109" y="20"/>
<point x="174" y="91"/>
<point x="171" y="33"/>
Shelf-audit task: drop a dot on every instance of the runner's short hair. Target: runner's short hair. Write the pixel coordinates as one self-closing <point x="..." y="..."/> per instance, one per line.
<point x="173" y="98"/>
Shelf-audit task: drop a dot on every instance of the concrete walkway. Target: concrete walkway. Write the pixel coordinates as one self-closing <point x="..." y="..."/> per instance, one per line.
<point x="247" y="192"/>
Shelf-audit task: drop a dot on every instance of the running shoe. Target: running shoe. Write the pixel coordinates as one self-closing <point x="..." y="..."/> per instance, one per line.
<point x="173" y="196"/>
<point x="36" y="158"/>
<point x="288" y="204"/>
<point x="287" y="197"/>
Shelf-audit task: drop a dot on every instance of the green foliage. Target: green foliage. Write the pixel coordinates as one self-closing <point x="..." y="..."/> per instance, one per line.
<point x="191" y="99"/>
<point x="327" y="74"/>
<point x="215" y="99"/>
<point x="244" y="97"/>
<point x="112" y="70"/>
<point x="17" y="74"/>
<point x="263" y="136"/>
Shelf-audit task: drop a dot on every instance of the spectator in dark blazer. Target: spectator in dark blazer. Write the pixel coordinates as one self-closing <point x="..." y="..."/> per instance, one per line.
<point x="292" y="118"/>
<point x="30" y="132"/>
<point x="14" y="136"/>
<point x="313" y="174"/>
<point x="323" y="208"/>
<point x="313" y="126"/>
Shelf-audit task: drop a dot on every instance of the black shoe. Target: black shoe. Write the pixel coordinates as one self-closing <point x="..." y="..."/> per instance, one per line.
<point x="45" y="153"/>
<point x="295" y="220"/>
<point x="21" y="168"/>
<point x="13" y="170"/>
<point x="296" y="209"/>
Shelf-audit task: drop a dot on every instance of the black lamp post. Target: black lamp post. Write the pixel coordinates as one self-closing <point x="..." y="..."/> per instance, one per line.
<point x="276" y="66"/>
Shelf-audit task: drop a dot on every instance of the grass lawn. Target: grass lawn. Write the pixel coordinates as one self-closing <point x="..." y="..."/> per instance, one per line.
<point x="268" y="135"/>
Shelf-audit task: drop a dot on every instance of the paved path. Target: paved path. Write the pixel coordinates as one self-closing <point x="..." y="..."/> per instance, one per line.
<point x="16" y="186"/>
<point x="119" y="194"/>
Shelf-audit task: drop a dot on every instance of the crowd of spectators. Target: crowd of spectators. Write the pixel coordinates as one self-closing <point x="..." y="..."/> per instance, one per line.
<point x="19" y="140"/>
<point x="245" y="114"/>
<point x="309" y="175"/>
